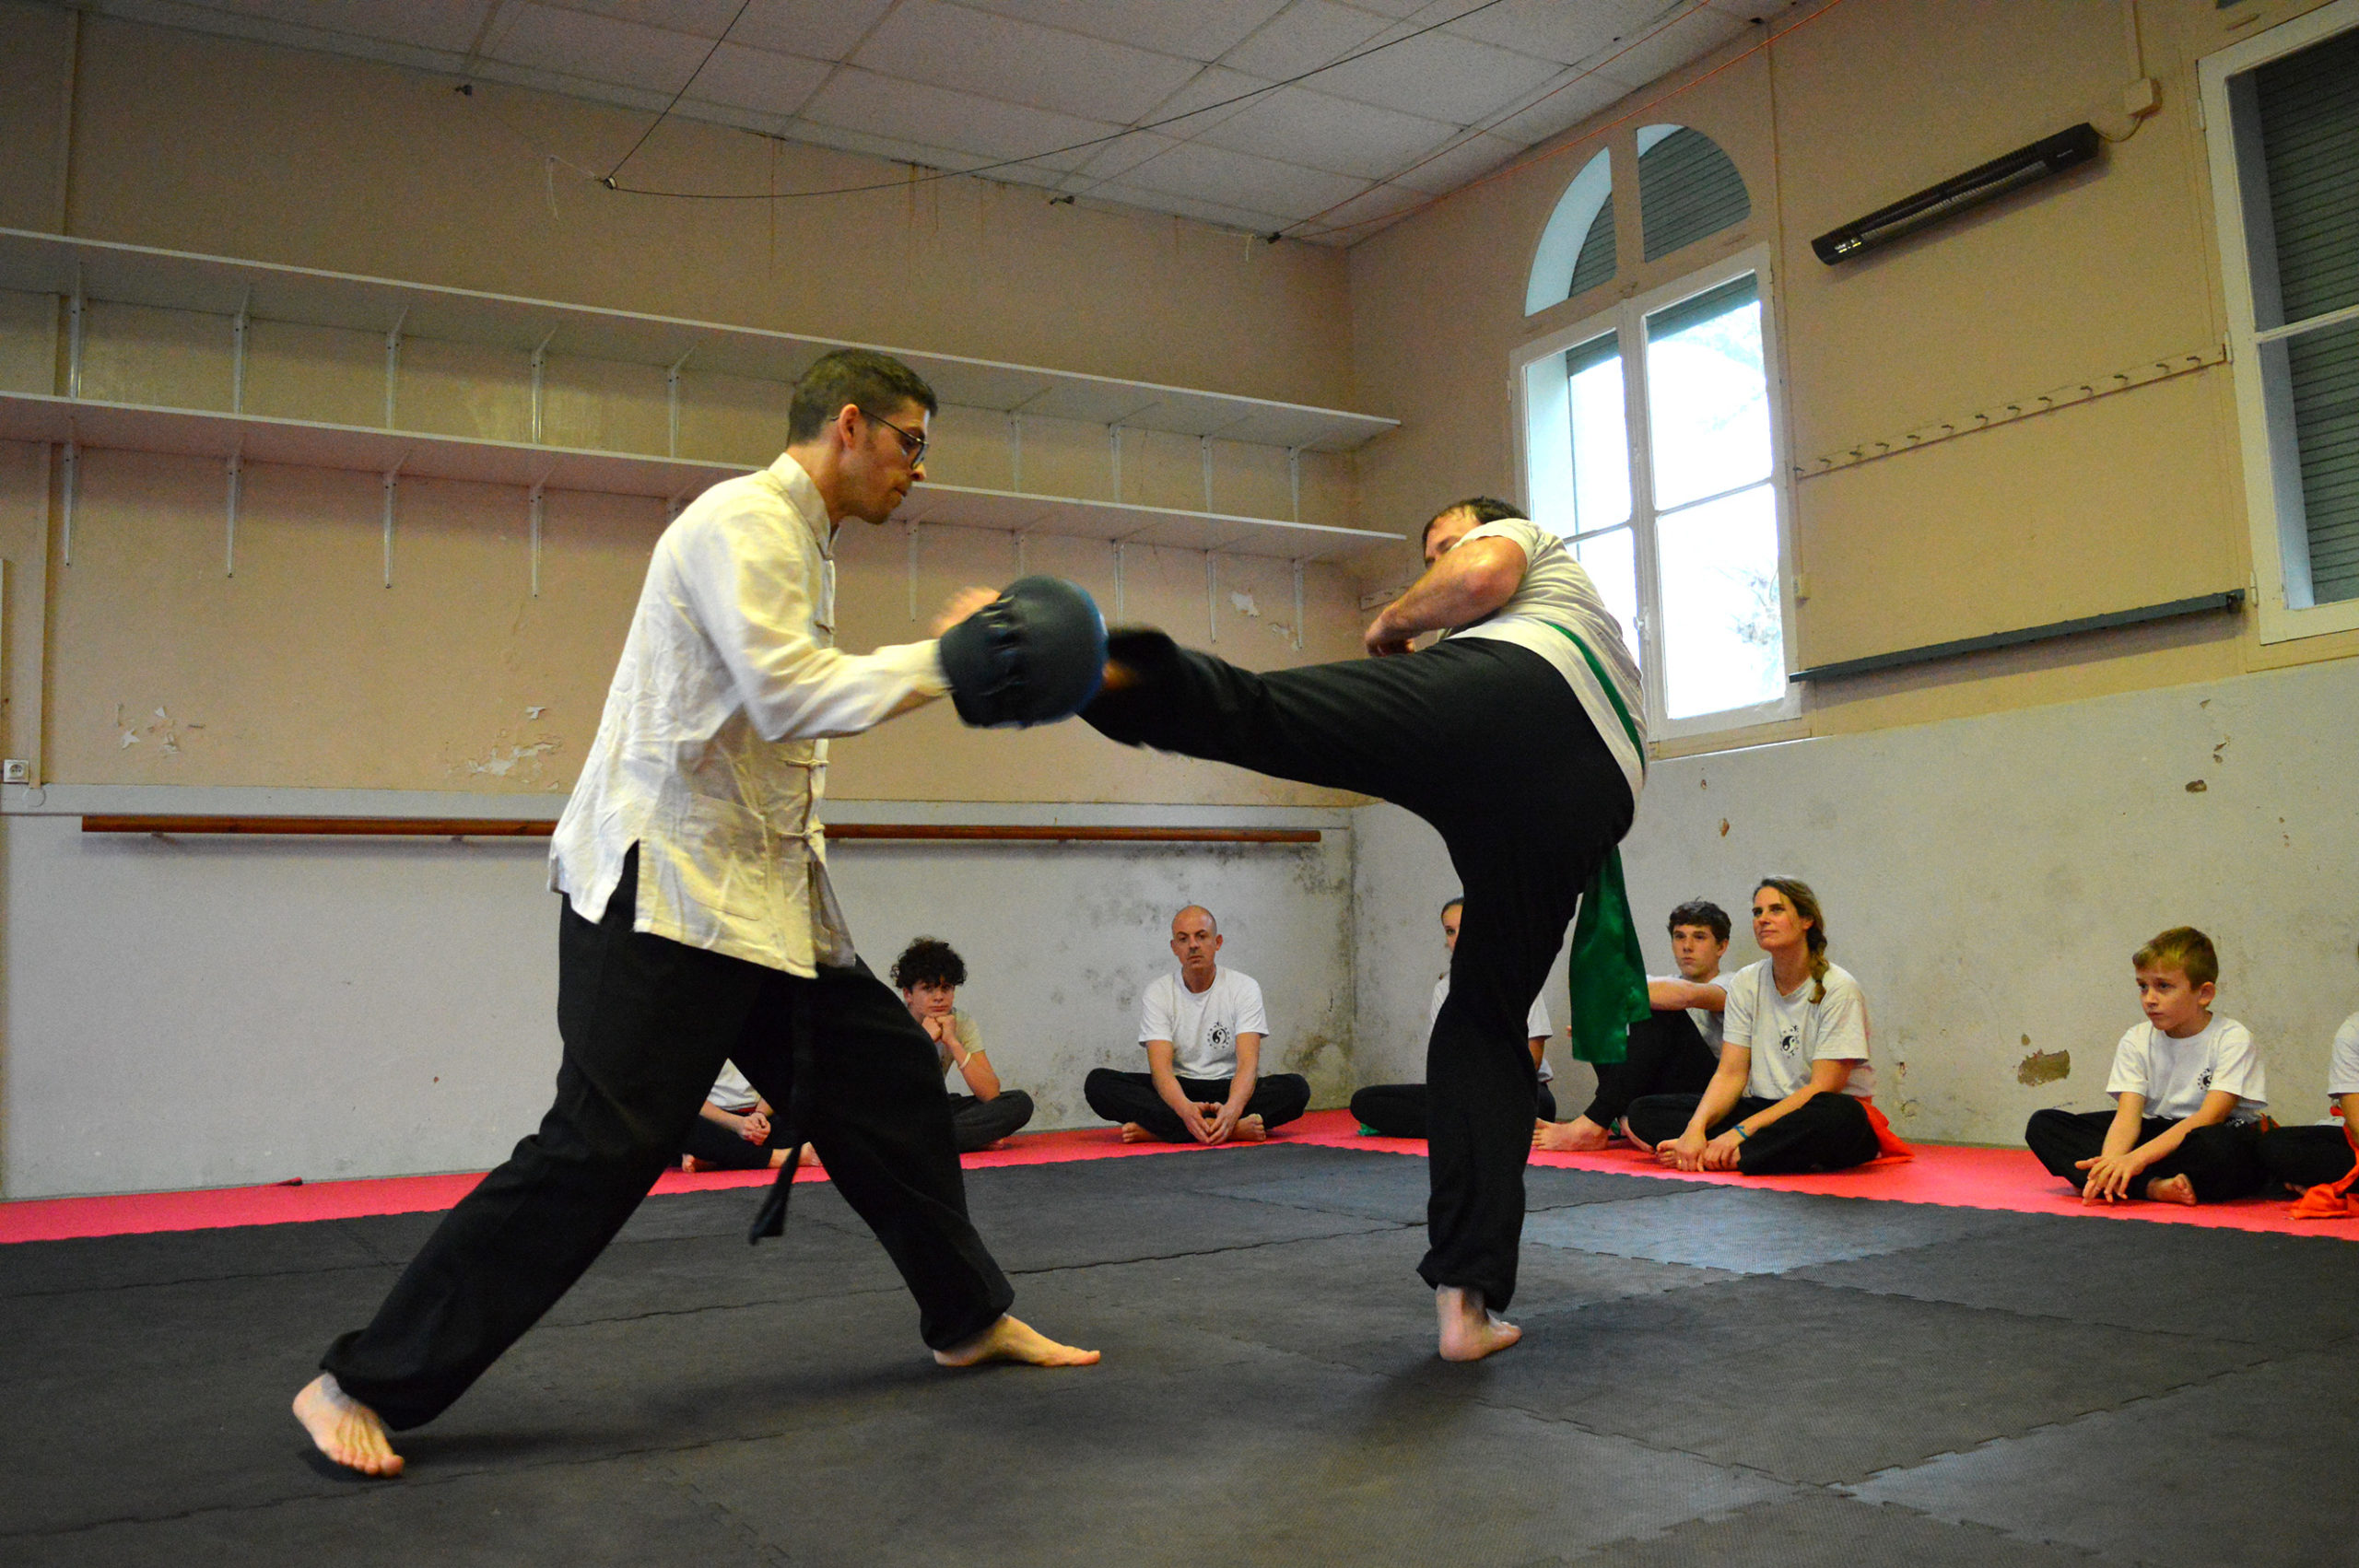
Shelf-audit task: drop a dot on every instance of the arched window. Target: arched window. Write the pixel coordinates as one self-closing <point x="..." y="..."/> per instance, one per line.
<point x="1687" y="189"/>
<point x="1576" y="248"/>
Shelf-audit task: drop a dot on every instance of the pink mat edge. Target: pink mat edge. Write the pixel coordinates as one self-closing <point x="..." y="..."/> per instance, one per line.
<point x="1951" y="1176"/>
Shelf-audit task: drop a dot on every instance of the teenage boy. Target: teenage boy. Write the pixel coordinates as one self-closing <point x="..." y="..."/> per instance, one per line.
<point x="1675" y="1051"/>
<point x="2187" y="1094"/>
<point x="928" y="973"/>
<point x="1203" y="1029"/>
<point x="1398" y="1110"/>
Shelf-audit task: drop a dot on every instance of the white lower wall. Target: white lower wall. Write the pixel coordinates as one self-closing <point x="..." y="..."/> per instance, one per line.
<point x="1987" y="880"/>
<point x="207" y="1012"/>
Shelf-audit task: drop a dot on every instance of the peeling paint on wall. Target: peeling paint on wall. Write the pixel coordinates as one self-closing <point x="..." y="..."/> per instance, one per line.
<point x="1244" y="604"/>
<point x="2043" y="1067"/>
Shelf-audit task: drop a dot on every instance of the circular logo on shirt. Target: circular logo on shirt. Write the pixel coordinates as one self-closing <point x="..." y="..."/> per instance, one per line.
<point x="1218" y="1037"/>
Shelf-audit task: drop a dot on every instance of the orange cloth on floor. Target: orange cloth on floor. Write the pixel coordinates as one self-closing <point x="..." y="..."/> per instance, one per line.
<point x="1888" y="1144"/>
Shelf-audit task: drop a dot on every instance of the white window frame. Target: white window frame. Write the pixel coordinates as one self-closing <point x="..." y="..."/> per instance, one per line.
<point x="1544" y="452"/>
<point x="2264" y="410"/>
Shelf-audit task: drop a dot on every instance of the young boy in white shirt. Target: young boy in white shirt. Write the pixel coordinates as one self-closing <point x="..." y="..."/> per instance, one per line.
<point x="2320" y="1156"/>
<point x="2187" y="1089"/>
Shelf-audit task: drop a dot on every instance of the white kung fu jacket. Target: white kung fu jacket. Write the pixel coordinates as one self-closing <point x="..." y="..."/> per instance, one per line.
<point x="710" y="755"/>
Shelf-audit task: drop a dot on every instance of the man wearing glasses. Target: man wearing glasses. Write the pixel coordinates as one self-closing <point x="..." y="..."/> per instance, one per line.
<point x="699" y="926"/>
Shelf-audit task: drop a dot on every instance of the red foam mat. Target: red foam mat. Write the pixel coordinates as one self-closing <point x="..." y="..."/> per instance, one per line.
<point x="2006" y="1179"/>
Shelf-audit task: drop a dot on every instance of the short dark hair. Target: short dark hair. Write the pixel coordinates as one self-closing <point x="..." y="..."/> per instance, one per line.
<point x="929" y="961"/>
<point x="1487" y="509"/>
<point x="1701" y="912"/>
<point x="1456" y="902"/>
<point x="877" y="385"/>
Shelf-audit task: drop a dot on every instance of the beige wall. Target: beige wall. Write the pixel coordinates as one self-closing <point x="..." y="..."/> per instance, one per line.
<point x="2109" y="505"/>
<point x="141" y="661"/>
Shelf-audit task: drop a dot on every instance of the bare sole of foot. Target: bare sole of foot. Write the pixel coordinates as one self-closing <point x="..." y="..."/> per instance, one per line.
<point x="1133" y="1134"/>
<point x="1622" y="1129"/>
<point x="1578" y="1136"/>
<point x="344" y="1429"/>
<point x="1011" y="1339"/>
<point x="1250" y="1130"/>
<point x="778" y="1157"/>
<point x="2172" y="1189"/>
<point x="1470" y="1331"/>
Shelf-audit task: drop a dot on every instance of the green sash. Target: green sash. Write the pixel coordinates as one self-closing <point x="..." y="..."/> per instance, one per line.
<point x="1608" y="973"/>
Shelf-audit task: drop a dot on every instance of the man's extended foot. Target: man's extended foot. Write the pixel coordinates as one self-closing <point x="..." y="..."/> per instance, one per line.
<point x="1011" y="1339"/>
<point x="1133" y="1134"/>
<point x="1470" y="1331"/>
<point x="1578" y="1136"/>
<point x="1250" y="1130"/>
<point x="2171" y="1190"/>
<point x="346" y="1430"/>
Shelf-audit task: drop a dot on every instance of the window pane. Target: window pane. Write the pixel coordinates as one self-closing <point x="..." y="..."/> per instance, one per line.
<point x="2309" y="132"/>
<point x="1601" y="436"/>
<point x="1722" y="619"/>
<point x="1706" y="393"/>
<point x="1611" y="561"/>
<point x="1688" y="190"/>
<point x="2324" y="375"/>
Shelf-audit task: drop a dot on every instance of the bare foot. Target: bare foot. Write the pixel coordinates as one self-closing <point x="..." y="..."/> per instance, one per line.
<point x="346" y="1430"/>
<point x="2172" y="1189"/>
<point x="778" y="1157"/>
<point x="1469" y="1330"/>
<point x="1133" y="1134"/>
<point x="1010" y="1338"/>
<point x="691" y="1165"/>
<point x="1250" y="1129"/>
<point x="1640" y="1144"/>
<point x="1575" y="1137"/>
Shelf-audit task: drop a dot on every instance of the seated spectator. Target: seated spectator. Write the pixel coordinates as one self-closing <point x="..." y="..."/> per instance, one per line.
<point x="1202" y="1028"/>
<point x="2187" y="1094"/>
<point x="1673" y="1052"/>
<point x="2320" y="1156"/>
<point x="1398" y="1110"/>
<point x="734" y="1131"/>
<point x="1791" y="1090"/>
<point x="928" y="973"/>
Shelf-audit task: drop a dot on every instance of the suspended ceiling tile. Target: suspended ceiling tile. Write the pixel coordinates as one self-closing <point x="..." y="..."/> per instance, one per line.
<point x="1471" y="158"/>
<point x="968" y="51"/>
<point x="1366" y="213"/>
<point x="593" y="48"/>
<point x="1213" y="96"/>
<point x="1745" y="10"/>
<point x="1301" y="126"/>
<point x="758" y="79"/>
<point x="1698" y="33"/>
<point x="1245" y="219"/>
<point x="1567" y="34"/>
<point x="1439" y="76"/>
<point x="1203" y="30"/>
<point x="1306" y="36"/>
<point x="1559" y="105"/>
<point x="1117" y="158"/>
<point x="816" y="29"/>
<point x="981" y="129"/>
<point x="448" y="27"/>
<point x="1240" y="180"/>
<point x="704" y="19"/>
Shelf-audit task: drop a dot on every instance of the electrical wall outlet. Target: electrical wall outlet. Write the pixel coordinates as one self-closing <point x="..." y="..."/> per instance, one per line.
<point x="16" y="770"/>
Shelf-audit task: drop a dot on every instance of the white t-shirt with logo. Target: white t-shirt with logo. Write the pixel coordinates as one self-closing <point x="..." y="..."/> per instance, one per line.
<point x="1536" y="1023"/>
<point x="2342" y="1068"/>
<point x="1202" y="1025"/>
<point x="1786" y="1033"/>
<point x="731" y="1092"/>
<point x="2175" y="1075"/>
<point x="1709" y="1024"/>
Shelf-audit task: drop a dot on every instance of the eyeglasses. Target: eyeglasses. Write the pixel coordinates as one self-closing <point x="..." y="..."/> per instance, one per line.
<point x="912" y="447"/>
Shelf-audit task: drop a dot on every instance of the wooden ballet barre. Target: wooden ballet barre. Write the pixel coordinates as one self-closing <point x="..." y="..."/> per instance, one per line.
<point x="502" y="828"/>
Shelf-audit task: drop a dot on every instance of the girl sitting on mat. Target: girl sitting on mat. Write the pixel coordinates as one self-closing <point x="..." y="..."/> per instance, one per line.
<point x="1791" y="1090"/>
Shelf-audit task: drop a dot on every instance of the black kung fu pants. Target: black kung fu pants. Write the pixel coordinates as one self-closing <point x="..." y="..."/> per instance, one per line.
<point x="1486" y="742"/>
<point x="646" y="1023"/>
<point x="2304" y="1157"/>
<point x="2222" y="1161"/>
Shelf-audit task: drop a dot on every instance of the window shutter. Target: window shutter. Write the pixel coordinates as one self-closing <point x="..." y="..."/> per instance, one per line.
<point x="2309" y="123"/>
<point x="1595" y="265"/>
<point x="1688" y="190"/>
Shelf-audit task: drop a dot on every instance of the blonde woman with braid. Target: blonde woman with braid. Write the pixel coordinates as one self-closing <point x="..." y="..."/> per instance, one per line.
<point x="1791" y="1091"/>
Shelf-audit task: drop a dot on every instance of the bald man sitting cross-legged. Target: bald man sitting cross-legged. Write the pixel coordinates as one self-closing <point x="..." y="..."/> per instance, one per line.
<point x="1203" y="1029"/>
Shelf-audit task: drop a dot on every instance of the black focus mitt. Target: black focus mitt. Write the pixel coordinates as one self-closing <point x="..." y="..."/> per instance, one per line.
<point x="1034" y="655"/>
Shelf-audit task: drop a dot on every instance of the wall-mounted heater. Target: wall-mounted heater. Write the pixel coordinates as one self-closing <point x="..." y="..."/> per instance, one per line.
<point x="2050" y="155"/>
